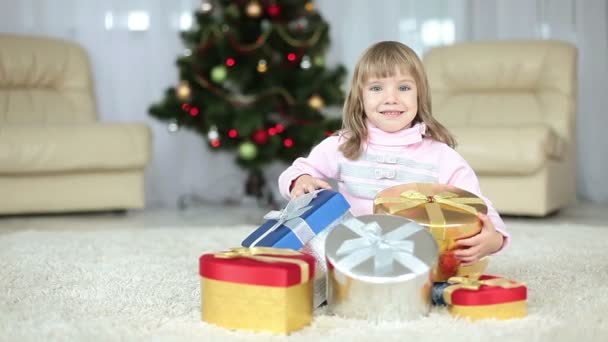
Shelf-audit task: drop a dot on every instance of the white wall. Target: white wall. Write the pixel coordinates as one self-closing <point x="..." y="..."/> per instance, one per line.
<point x="132" y="69"/>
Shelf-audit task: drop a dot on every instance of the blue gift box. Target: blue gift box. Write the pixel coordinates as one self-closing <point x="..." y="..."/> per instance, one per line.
<point x="301" y="220"/>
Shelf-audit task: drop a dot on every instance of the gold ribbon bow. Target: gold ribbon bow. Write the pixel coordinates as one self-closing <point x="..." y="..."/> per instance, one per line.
<point x="413" y="198"/>
<point x="473" y="283"/>
<point x="255" y="253"/>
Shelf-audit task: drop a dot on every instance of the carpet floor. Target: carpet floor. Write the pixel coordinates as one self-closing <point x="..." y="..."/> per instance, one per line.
<point x="143" y="284"/>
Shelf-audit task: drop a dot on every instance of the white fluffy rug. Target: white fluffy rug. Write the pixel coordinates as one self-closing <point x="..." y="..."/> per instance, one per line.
<point x="143" y="284"/>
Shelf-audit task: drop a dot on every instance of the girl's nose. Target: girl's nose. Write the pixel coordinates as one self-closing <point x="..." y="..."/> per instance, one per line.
<point x="391" y="97"/>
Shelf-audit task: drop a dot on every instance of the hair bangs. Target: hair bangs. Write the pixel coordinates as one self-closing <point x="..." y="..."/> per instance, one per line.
<point x="382" y="63"/>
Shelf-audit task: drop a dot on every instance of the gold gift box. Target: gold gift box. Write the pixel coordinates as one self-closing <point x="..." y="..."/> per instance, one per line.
<point x="448" y="212"/>
<point x="259" y="289"/>
<point x="259" y="308"/>
<point x="496" y="311"/>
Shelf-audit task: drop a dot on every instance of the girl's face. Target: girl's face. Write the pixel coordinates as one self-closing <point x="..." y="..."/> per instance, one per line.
<point x="391" y="103"/>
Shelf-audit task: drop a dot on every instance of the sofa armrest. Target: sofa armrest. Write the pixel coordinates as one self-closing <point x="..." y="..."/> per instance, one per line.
<point x="77" y="147"/>
<point x="508" y="150"/>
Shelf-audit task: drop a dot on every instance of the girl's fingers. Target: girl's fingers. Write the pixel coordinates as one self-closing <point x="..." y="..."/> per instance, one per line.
<point x="470" y="258"/>
<point x="468" y="261"/>
<point x="322" y="184"/>
<point x="472" y="241"/>
<point x="309" y="186"/>
<point x="296" y="192"/>
<point x="466" y="253"/>
<point x="469" y="255"/>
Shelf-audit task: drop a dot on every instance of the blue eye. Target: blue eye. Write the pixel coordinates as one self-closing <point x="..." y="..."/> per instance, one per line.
<point x="375" y="88"/>
<point x="404" y="88"/>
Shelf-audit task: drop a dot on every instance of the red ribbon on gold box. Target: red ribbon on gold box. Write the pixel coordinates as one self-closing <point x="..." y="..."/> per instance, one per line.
<point x="259" y="289"/>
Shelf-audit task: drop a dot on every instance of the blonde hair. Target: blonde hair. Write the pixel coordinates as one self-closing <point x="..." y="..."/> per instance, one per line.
<point x="379" y="61"/>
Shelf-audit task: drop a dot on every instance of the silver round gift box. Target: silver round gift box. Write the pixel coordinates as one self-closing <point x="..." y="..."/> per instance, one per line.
<point x="378" y="268"/>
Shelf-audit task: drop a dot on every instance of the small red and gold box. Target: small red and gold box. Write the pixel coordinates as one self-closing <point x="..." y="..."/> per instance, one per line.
<point x="447" y="212"/>
<point x="259" y="289"/>
<point x="486" y="297"/>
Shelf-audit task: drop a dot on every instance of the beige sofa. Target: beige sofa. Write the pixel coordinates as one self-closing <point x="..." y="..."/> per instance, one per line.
<point x="54" y="154"/>
<point x="511" y="106"/>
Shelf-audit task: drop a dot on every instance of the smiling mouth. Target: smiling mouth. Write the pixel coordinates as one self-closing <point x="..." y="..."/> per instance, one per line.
<point x="391" y="113"/>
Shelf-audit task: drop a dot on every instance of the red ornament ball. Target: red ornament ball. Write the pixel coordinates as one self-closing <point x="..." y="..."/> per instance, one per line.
<point x="273" y="10"/>
<point x="448" y="264"/>
<point x="288" y="142"/>
<point x="260" y="137"/>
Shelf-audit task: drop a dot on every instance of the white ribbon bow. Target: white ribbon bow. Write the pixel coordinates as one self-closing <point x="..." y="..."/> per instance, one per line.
<point x="384" y="173"/>
<point x="290" y="217"/>
<point x="387" y="159"/>
<point x="383" y="248"/>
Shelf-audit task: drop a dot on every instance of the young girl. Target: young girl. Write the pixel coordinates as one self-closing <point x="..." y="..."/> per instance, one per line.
<point x="390" y="137"/>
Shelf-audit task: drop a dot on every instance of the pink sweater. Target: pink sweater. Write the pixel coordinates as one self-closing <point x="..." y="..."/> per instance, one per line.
<point x="388" y="159"/>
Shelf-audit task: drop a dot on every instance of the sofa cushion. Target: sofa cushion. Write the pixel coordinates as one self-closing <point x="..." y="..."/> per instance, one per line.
<point x="78" y="147"/>
<point x="508" y="150"/>
<point x="44" y="80"/>
<point x="505" y="82"/>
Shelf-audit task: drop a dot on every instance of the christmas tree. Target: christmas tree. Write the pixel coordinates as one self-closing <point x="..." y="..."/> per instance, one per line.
<point x="253" y="80"/>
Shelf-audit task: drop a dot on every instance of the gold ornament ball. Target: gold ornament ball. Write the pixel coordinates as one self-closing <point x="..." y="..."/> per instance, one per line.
<point x="248" y="150"/>
<point x="262" y="66"/>
<point x="309" y="6"/>
<point x="316" y="102"/>
<point x="253" y="9"/>
<point x="183" y="91"/>
<point x="206" y="7"/>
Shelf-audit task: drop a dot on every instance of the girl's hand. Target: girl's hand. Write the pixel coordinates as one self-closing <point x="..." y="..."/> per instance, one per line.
<point x="488" y="241"/>
<point x="307" y="183"/>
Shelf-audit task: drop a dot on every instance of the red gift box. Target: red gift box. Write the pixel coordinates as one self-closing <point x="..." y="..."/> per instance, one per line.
<point x="486" y="297"/>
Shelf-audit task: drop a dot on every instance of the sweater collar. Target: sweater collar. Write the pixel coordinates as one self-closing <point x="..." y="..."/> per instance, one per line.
<point x="407" y="136"/>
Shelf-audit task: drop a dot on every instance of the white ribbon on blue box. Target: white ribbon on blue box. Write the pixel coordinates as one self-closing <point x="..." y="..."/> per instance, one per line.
<point x="300" y="221"/>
